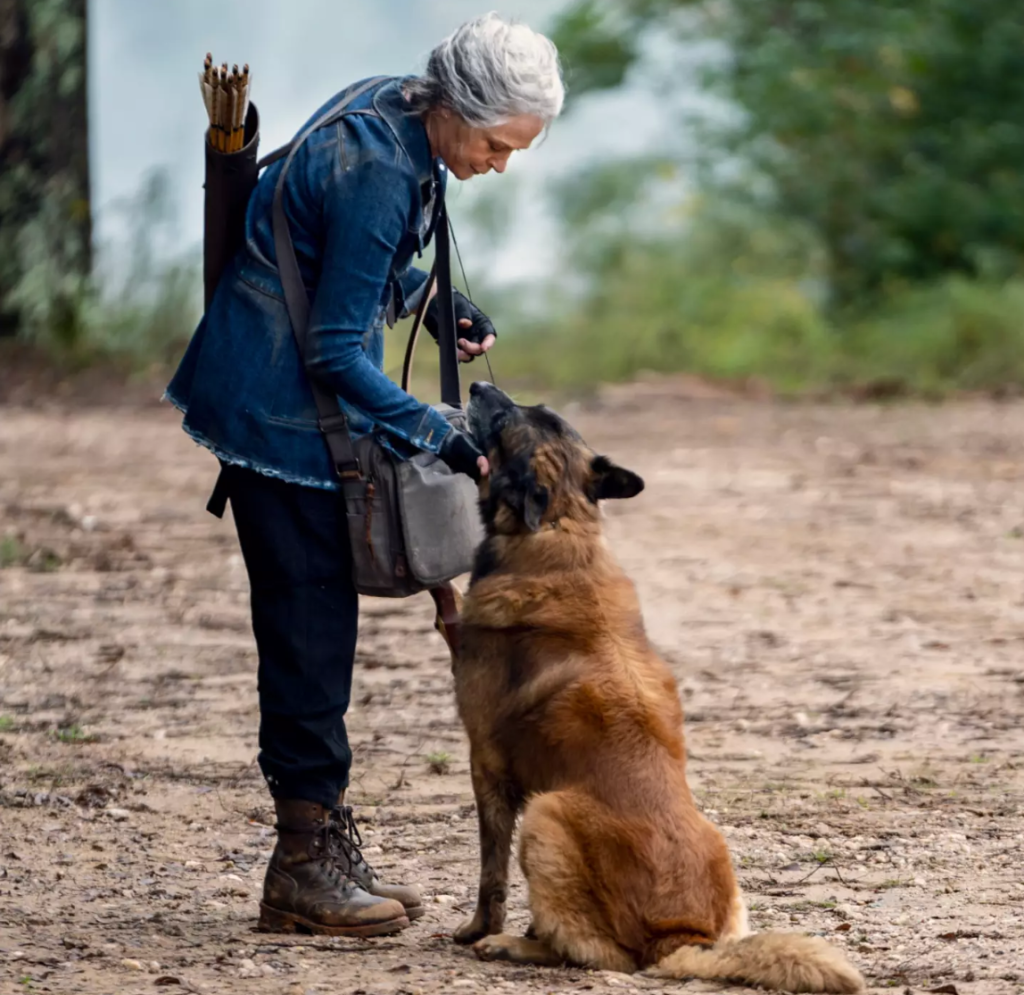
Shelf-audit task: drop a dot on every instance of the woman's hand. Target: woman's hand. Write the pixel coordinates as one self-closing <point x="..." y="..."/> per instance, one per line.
<point x="463" y="455"/>
<point x="467" y="349"/>
<point x="478" y="332"/>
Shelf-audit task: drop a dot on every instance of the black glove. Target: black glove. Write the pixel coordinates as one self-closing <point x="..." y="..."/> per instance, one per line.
<point x="459" y="451"/>
<point x="464" y="308"/>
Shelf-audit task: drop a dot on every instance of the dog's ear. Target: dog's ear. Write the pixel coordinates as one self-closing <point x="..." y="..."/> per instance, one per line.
<point x="611" y="481"/>
<point x="535" y="503"/>
<point x="530" y="499"/>
<point x="517" y="486"/>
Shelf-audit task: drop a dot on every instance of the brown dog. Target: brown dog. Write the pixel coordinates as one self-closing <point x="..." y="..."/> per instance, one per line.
<point x="573" y="719"/>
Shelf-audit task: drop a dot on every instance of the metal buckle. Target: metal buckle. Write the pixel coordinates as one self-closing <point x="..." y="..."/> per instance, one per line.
<point x="333" y="423"/>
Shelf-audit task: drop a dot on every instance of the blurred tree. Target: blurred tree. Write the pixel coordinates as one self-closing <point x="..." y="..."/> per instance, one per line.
<point x="894" y="131"/>
<point x="45" y="218"/>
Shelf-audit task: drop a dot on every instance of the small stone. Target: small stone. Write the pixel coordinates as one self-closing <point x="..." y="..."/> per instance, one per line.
<point x="246" y="964"/>
<point x="132" y="965"/>
<point x="267" y="971"/>
<point x="617" y="978"/>
<point x="444" y="899"/>
<point x="154" y="966"/>
<point x="118" y="814"/>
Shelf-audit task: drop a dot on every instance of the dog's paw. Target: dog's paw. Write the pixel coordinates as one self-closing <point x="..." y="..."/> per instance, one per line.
<point x="498" y="947"/>
<point x="517" y="949"/>
<point x="470" y="931"/>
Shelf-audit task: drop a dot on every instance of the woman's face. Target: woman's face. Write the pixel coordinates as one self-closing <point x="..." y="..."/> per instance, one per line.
<point x="468" y="151"/>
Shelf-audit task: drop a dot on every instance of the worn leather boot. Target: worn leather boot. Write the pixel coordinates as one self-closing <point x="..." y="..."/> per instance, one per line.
<point x="362" y="873"/>
<point x="309" y="885"/>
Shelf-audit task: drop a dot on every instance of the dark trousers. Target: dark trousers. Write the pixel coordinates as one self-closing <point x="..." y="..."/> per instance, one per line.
<point x="305" y="613"/>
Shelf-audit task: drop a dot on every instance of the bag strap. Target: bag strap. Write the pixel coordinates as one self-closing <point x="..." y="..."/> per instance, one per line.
<point x="447" y="338"/>
<point x="332" y="421"/>
<point x="417" y="324"/>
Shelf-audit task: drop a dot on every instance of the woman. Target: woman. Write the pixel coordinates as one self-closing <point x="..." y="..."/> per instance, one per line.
<point x="360" y="196"/>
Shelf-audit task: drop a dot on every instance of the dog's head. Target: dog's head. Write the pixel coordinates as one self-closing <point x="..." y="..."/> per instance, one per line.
<point x="541" y="470"/>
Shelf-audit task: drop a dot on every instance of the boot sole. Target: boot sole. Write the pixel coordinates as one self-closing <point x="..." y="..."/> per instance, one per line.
<point x="275" y="921"/>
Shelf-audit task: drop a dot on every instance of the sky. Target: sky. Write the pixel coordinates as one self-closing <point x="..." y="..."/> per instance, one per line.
<point x="146" y="110"/>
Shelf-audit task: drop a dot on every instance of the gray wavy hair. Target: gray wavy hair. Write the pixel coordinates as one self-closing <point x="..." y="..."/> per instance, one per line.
<point x="490" y="70"/>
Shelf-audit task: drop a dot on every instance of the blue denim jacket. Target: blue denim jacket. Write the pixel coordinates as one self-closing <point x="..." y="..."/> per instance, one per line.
<point x="360" y="198"/>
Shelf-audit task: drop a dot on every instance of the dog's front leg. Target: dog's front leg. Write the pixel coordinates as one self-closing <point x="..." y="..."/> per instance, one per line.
<point x="496" y="806"/>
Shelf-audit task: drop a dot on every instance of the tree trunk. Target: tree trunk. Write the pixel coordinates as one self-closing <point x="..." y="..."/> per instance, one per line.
<point x="45" y="216"/>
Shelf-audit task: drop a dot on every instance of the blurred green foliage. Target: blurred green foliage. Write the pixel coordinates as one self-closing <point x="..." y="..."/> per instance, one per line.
<point x="45" y="219"/>
<point x="894" y="131"/>
<point x="852" y="215"/>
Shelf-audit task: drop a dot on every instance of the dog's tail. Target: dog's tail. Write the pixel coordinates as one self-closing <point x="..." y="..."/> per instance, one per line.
<point x="784" y="961"/>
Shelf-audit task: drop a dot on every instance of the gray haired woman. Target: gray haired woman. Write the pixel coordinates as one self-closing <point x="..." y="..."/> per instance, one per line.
<point x="361" y="199"/>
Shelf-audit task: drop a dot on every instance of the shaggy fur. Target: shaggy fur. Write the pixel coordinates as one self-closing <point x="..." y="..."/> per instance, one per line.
<point x="575" y="721"/>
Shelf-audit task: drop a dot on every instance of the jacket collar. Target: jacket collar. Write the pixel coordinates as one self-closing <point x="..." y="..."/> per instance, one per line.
<point x="390" y="103"/>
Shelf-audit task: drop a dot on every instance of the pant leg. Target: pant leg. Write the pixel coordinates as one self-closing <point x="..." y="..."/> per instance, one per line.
<point x="305" y="613"/>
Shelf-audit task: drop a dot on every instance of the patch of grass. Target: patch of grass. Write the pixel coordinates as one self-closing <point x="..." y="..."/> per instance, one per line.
<point x="767" y="327"/>
<point x="74" y="734"/>
<point x="6" y="723"/>
<point x="439" y="763"/>
<point x="979" y="758"/>
<point x="893" y="883"/>
<point x="822" y="856"/>
<point x="12" y="553"/>
<point x="43" y="560"/>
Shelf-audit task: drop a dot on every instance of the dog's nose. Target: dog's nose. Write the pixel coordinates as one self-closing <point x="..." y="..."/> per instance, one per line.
<point x="476" y="388"/>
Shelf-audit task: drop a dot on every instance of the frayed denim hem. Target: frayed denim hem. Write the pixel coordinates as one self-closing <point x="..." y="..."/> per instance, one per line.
<point x="225" y="457"/>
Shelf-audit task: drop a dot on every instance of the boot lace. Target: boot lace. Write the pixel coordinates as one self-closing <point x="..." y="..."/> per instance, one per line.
<point x="346" y="841"/>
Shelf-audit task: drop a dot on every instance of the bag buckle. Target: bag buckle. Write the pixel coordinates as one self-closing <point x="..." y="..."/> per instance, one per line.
<point x="333" y="423"/>
<point x="350" y="471"/>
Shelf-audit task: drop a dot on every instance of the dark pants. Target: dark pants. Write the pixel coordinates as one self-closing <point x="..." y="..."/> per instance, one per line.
<point x="305" y="614"/>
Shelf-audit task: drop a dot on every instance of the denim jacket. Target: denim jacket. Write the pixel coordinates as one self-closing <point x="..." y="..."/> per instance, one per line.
<point x="360" y="197"/>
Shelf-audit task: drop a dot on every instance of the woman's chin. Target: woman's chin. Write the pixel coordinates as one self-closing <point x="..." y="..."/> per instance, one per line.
<point x="462" y="171"/>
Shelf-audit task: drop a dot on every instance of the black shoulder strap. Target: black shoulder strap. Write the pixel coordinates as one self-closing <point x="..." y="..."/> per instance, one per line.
<point x="331" y="418"/>
<point x="447" y="340"/>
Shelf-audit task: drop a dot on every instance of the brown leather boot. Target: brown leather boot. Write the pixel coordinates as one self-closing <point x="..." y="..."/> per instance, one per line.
<point x="362" y="873"/>
<point x="309" y="886"/>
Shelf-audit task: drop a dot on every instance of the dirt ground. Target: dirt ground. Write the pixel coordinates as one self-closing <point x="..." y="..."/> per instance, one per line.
<point x="837" y="588"/>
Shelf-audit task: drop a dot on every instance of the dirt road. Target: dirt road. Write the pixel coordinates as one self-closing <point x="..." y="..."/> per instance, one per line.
<point x="839" y="591"/>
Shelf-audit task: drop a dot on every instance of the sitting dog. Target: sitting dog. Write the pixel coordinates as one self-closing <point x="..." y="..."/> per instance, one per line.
<point x="574" y="720"/>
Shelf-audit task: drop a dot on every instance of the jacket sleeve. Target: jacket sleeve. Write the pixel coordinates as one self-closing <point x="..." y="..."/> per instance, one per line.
<point x="366" y="212"/>
<point x="414" y="282"/>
